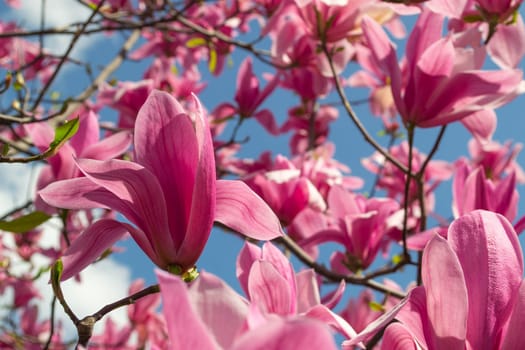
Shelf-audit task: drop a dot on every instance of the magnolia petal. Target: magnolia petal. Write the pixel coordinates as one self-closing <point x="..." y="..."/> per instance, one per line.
<point x="398" y="337"/>
<point x="110" y="147"/>
<point x="287" y="334"/>
<point x="490" y="256"/>
<point x="221" y="309"/>
<point x="166" y="144"/>
<point x="443" y="280"/>
<point x="240" y="209"/>
<point x="270" y="290"/>
<point x="327" y="316"/>
<point x="376" y="325"/>
<point x="203" y="200"/>
<point x="185" y="329"/>
<point x="247" y="256"/>
<point x="307" y="290"/>
<point x="507" y="45"/>
<point x="90" y="245"/>
<point x="513" y="338"/>
<point x="140" y="196"/>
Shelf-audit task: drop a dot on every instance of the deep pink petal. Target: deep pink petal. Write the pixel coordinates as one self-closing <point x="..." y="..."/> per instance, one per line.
<point x="247" y="256"/>
<point x="166" y="144"/>
<point x="203" y="200"/>
<point x="443" y="280"/>
<point x="140" y="195"/>
<point x="267" y="120"/>
<point x="222" y="310"/>
<point x="287" y="334"/>
<point x="185" y="328"/>
<point x="240" y="209"/>
<point x="490" y="256"/>
<point x="88" y="133"/>
<point x="90" y="245"/>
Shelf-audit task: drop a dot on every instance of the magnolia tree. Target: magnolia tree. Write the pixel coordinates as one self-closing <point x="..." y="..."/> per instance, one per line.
<point x="141" y="153"/>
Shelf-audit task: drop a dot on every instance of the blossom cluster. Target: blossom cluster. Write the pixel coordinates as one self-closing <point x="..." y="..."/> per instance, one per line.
<point x="150" y="158"/>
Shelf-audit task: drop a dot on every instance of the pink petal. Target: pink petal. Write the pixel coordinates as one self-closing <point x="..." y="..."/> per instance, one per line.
<point x="507" y="45"/>
<point x="267" y="120"/>
<point x="222" y="310"/>
<point x="270" y="290"/>
<point x="185" y="328"/>
<point x="307" y="290"/>
<point x="110" y="147"/>
<point x="140" y="198"/>
<point x="443" y="280"/>
<point x="328" y="317"/>
<point x="490" y="256"/>
<point x="398" y="337"/>
<point x="247" y="256"/>
<point x="88" y="133"/>
<point x="287" y="334"/>
<point x="90" y="245"/>
<point x="513" y="337"/>
<point x="481" y="124"/>
<point x="240" y="209"/>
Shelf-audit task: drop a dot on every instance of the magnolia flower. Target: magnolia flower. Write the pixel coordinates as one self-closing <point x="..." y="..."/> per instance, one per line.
<point x="169" y="194"/>
<point x="473" y="295"/>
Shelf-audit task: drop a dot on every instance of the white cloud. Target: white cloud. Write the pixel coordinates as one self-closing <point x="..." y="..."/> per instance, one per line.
<point x="59" y="13"/>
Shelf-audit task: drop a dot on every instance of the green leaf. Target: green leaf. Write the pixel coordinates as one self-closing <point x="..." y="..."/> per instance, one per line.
<point x="375" y="306"/>
<point x="24" y="223"/>
<point x="63" y="133"/>
<point x="195" y="42"/>
<point x="212" y="64"/>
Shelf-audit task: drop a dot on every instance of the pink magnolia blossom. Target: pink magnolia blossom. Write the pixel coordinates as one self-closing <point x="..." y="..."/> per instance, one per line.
<point x="473" y="295"/>
<point x="361" y="225"/>
<point x="451" y="92"/>
<point x="170" y="193"/>
<point x="210" y="315"/>
<point x="269" y="281"/>
<point x="249" y="98"/>
<point x="472" y="190"/>
<point x="285" y="189"/>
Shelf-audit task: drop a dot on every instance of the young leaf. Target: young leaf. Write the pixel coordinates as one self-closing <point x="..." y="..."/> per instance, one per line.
<point x="24" y="223"/>
<point x="63" y="133"/>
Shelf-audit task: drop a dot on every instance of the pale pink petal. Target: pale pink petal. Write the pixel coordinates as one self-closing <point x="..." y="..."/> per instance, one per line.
<point x="490" y="256"/>
<point x="240" y="209"/>
<point x="90" y="245"/>
<point x="222" y="310"/>
<point x="328" y="317"/>
<point x="274" y="256"/>
<point x="289" y="334"/>
<point x="481" y="124"/>
<point x="375" y="326"/>
<point x="110" y="147"/>
<point x="247" y="256"/>
<point x="185" y="328"/>
<point x="507" y="45"/>
<point x="448" y="8"/>
<point x="443" y="280"/>
<point x="88" y="133"/>
<point x="270" y="290"/>
<point x="307" y="290"/>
